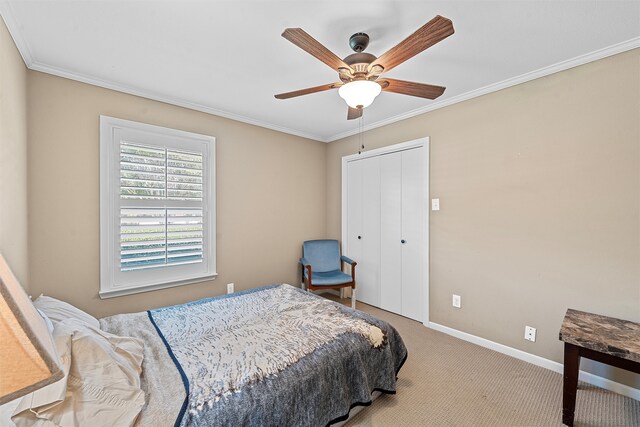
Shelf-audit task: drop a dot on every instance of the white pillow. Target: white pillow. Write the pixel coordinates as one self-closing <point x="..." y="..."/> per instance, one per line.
<point x="101" y="387"/>
<point x="57" y="311"/>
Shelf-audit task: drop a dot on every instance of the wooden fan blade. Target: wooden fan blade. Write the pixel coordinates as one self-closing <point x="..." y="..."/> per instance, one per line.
<point x="424" y="37"/>
<point x="421" y="90"/>
<point x="312" y="46"/>
<point x="354" y="113"/>
<point x="308" y="91"/>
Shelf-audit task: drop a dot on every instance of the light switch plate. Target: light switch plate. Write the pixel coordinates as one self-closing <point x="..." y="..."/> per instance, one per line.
<point x="530" y="333"/>
<point x="435" y="204"/>
<point x="230" y="287"/>
<point x="456" y="301"/>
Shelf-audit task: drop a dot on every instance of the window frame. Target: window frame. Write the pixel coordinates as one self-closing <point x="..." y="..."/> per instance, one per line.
<point x="112" y="283"/>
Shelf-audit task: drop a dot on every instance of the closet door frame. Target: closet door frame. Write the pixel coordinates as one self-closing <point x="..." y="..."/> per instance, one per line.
<point x="421" y="142"/>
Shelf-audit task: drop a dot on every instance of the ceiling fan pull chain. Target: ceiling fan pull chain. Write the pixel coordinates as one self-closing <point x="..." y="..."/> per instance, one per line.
<point x="362" y="132"/>
<point x="360" y="144"/>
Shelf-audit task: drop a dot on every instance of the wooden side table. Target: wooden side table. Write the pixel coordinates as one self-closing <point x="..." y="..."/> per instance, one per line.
<point x="604" y="339"/>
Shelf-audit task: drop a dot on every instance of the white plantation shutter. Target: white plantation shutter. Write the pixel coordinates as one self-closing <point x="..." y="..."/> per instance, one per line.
<point x="184" y="175"/>
<point x="162" y="236"/>
<point x="143" y="238"/>
<point x="159" y="227"/>
<point x="159" y="237"/>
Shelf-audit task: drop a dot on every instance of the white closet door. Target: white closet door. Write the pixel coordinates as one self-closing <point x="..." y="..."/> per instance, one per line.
<point x="390" y="233"/>
<point x="412" y="229"/>
<point x="354" y="213"/>
<point x="368" y="268"/>
<point x="385" y="201"/>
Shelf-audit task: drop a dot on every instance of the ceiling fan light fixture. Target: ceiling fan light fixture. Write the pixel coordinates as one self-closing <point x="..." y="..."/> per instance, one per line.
<point x="359" y="93"/>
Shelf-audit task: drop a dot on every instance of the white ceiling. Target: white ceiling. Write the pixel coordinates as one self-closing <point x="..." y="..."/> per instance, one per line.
<point x="228" y="58"/>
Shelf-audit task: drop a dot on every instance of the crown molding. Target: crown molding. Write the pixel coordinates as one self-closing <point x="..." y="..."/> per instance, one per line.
<point x="523" y="78"/>
<point x="6" y="11"/>
<point x="37" y="66"/>
<point x="7" y="14"/>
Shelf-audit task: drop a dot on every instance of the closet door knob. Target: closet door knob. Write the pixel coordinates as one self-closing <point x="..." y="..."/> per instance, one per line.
<point x="403" y="241"/>
<point x="359" y="237"/>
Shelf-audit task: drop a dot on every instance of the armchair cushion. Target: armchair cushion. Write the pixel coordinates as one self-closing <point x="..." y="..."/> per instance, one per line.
<point x="326" y="278"/>
<point x="323" y="255"/>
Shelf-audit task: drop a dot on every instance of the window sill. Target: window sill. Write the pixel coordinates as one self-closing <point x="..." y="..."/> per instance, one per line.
<point x="112" y="293"/>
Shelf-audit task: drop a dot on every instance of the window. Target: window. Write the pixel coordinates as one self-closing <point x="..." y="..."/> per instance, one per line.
<point x="157" y="207"/>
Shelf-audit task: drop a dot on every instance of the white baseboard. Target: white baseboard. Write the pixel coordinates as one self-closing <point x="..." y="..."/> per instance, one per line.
<point x="587" y="377"/>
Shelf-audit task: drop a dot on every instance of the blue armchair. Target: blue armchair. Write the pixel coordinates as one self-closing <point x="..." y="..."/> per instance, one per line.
<point x="322" y="267"/>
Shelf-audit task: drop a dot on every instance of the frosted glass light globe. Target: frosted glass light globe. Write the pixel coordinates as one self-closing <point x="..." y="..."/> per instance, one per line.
<point x="359" y="93"/>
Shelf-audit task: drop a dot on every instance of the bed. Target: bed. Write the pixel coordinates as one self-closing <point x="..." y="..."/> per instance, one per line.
<point x="271" y="356"/>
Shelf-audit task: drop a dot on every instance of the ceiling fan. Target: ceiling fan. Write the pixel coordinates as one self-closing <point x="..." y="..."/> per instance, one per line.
<point x="360" y="73"/>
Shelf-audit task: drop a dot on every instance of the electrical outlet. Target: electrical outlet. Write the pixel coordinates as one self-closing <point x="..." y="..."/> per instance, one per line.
<point x="456" y="301"/>
<point x="435" y="204"/>
<point x="230" y="287"/>
<point x="530" y="333"/>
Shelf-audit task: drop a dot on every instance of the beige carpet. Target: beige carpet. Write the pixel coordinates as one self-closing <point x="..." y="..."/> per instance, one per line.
<point x="449" y="382"/>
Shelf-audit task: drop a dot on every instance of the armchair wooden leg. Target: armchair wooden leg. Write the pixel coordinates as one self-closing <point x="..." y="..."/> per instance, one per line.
<point x="353" y="298"/>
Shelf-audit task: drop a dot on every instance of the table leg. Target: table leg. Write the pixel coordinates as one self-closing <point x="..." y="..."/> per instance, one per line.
<point x="570" y="382"/>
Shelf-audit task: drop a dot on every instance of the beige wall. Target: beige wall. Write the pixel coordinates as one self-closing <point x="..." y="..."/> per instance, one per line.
<point x="13" y="156"/>
<point x="539" y="188"/>
<point x="261" y="178"/>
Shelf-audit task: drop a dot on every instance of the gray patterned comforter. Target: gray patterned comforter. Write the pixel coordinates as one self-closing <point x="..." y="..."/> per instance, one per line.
<point x="271" y="356"/>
